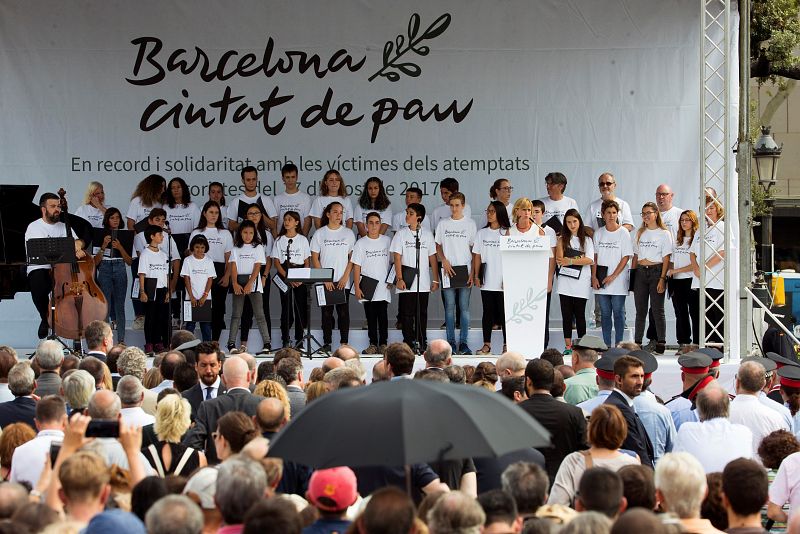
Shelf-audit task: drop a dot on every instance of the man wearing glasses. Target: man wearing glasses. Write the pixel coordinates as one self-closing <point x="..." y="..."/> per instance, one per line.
<point x="594" y="218"/>
<point x="556" y="203"/>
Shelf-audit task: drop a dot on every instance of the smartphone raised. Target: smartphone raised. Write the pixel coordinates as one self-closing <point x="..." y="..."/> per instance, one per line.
<point x="55" y="448"/>
<point x="103" y="428"/>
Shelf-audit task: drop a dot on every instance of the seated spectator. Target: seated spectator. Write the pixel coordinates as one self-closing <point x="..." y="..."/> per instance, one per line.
<point x="174" y="514"/>
<point x="131" y="396"/>
<point x="28" y="458"/>
<point x="273" y="389"/>
<point x="201" y="489"/>
<point x="745" y="490"/>
<point x="712" y="508"/>
<point x="276" y="515"/>
<point x="774" y="448"/>
<point x="456" y="512"/>
<point x="49" y="356"/>
<point x="145" y="494"/>
<point x="184" y="376"/>
<point x="78" y="388"/>
<point x="331" y="492"/>
<point x="601" y="491"/>
<point x="14" y="436"/>
<point x="234" y="430"/>
<point x="588" y="523"/>
<point x="133" y="361"/>
<point x="606" y="433"/>
<point x="13" y="496"/>
<point x="485" y="371"/>
<point x="636" y="520"/>
<point x="528" y="485"/>
<point x="513" y="388"/>
<point x="35" y="515"/>
<point x="106" y="405"/>
<point x="8" y="359"/>
<point x="22" y="409"/>
<point x="389" y="510"/>
<point x="680" y="487"/>
<point x="638" y="486"/>
<point x="501" y="512"/>
<point x="99" y="371"/>
<point x="240" y="483"/>
<point x="169" y="456"/>
<point x="456" y="374"/>
<point x="85" y="487"/>
<point x="114" y="520"/>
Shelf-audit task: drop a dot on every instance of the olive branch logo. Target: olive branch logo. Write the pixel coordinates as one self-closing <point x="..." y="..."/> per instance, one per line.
<point x="394" y="50"/>
<point x="523" y="307"/>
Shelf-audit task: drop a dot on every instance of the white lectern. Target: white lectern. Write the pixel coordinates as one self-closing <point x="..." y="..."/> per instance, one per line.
<point x="525" y="264"/>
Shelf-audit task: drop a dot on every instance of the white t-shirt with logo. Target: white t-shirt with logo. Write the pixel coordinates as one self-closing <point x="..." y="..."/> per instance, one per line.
<point x="299" y="249"/>
<point x="558" y="208"/>
<point x="233" y="209"/>
<point x="333" y="247"/>
<point x="299" y="202"/>
<point x="487" y="245"/>
<point x="609" y="249"/>
<point x="360" y="215"/>
<point x="404" y="243"/>
<point x="715" y="242"/>
<point x="444" y="212"/>
<point x="137" y="211"/>
<point x="399" y="222"/>
<point x="320" y="203"/>
<point x="579" y="287"/>
<point x="220" y="242"/>
<point x="167" y="246"/>
<point x="183" y="218"/>
<point x="374" y="258"/>
<point x="671" y="219"/>
<point x="39" y="228"/>
<point x="198" y="271"/>
<point x="91" y="214"/>
<point x="653" y="245"/>
<point x="681" y="257"/>
<point x="484" y="221"/>
<point x="154" y="265"/>
<point x="625" y="215"/>
<point x="456" y="238"/>
<point x="245" y="258"/>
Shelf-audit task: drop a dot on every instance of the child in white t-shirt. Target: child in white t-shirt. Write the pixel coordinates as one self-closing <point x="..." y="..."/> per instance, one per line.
<point x="292" y="249"/>
<point x="246" y="260"/>
<point x="373" y="199"/>
<point x="575" y="255"/>
<point x="153" y="265"/>
<point x="332" y="189"/>
<point x="198" y="274"/>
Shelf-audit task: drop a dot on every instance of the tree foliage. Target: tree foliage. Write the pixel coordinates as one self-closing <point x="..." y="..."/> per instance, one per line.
<point x="774" y="39"/>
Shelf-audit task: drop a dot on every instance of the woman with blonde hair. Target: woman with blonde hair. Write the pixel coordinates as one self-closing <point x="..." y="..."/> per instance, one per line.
<point x="93" y="208"/>
<point x="315" y="390"/>
<point x="685" y="299"/>
<point x="522" y="218"/>
<point x="169" y="456"/>
<point x="714" y="265"/>
<point x="270" y="388"/>
<point x="652" y="249"/>
<point x="606" y="432"/>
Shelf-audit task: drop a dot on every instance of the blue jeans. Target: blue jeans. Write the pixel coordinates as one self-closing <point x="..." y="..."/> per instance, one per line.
<point x="205" y="329"/>
<point x="450" y="314"/>
<point x="612" y="305"/>
<point x="113" y="279"/>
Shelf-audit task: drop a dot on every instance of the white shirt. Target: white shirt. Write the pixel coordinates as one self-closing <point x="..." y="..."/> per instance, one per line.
<point x="374" y="258"/>
<point x="333" y="247"/>
<point x="183" y="218"/>
<point x="214" y="388"/>
<point x="779" y="408"/>
<point x="360" y="215"/>
<point x="609" y="249"/>
<point x="320" y="203"/>
<point x="198" y="271"/>
<point x="653" y="245"/>
<point x="299" y="202"/>
<point x="747" y="410"/>
<point x="167" y="246"/>
<point x="399" y="222"/>
<point x="299" y="250"/>
<point x="681" y="258"/>
<point x="444" y="212"/>
<point x="137" y="211"/>
<point x="785" y="487"/>
<point x="487" y="246"/>
<point x="245" y="258"/>
<point x="714" y="242"/>
<point x="558" y="208"/>
<point x="714" y="442"/>
<point x="220" y="242"/>
<point x="5" y="393"/>
<point x="404" y="243"/>
<point x="40" y="228"/>
<point x="91" y="214"/>
<point x="136" y="417"/>
<point x="593" y="213"/>
<point x="154" y="265"/>
<point x="456" y="238"/>
<point x="671" y="219"/>
<point x="580" y="287"/>
<point x="233" y="209"/>
<point x="28" y="459"/>
<point x="484" y="221"/>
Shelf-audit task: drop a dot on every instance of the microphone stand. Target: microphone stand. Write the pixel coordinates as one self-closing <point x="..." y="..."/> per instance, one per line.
<point x="417" y="317"/>
<point x="169" y="282"/>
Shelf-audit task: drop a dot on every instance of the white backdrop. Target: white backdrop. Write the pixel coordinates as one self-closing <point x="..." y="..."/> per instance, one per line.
<point x="580" y="87"/>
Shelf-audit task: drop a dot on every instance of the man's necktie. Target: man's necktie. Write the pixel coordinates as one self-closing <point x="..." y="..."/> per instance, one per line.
<point x="208" y="392"/>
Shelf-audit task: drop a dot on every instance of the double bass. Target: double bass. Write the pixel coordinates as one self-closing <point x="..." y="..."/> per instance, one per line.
<point x="77" y="299"/>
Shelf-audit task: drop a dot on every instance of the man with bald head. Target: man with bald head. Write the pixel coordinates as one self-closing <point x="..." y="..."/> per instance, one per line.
<point x="345" y="352"/>
<point x="438" y="355"/>
<point x="510" y="364"/>
<point x="270" y="418"/>
<point x="251" y="368"/>
<point x="331" y="362"/>
<point x="746" y="408"/>
<point x="106" y="405"/>
<point x="236" y="377"/>
<point x="379" y="371"/>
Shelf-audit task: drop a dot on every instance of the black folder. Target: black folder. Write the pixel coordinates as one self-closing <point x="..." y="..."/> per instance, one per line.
<point x="572" y="271"/>
<point x="200" y="313"/>
<point x="368" y="286"/>
<point x="125" y="237"/>
<point x="461" y="277"/>
<point x="332" y="298"/>
<point x="243" y="207"/>
<point x="555" y="223"/>
<point x="601" y="272"/>
<point x="409" y="274"/>
<point x="601" y="223"/>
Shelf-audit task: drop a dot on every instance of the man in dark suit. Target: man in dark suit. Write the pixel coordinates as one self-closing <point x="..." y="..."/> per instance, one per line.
<point x="208" y="366"/>
<point x="23" y="408"/>
<point x="237" y="398"/>
<point x="566" y="423"/>
<point x="99" y="339"/>
<point x="49" y="356"/>
<point x="628" y="382"/>
<point x="291" y="370"/>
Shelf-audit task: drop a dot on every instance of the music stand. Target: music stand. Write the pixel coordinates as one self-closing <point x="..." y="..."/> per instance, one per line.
<point x="309" y="277"/>
<point x="51" y="251"/>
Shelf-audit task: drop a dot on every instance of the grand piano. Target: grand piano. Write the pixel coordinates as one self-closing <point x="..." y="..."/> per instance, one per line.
<point x="17" y="210"/>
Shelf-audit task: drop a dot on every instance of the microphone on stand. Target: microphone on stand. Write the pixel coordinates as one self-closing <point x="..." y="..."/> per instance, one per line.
<point x="288" y="246"/>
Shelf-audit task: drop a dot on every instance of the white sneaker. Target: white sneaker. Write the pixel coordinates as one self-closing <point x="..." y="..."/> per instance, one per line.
<point x="138" y="323"/>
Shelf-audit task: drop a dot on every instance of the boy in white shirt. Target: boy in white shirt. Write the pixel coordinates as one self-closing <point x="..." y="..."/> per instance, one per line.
<point x="251" y="196"/>
<point x="153" y="264"/>
<point x="292" y="199"/>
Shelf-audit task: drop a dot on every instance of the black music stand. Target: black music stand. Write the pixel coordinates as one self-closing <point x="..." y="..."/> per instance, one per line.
<point x="310" y="277"/>
<point x="51" y="251"/>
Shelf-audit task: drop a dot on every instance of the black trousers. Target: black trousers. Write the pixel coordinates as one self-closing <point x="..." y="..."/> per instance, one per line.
<point x="293" y="312"/>
<point x="247" y="312"/>
<point x="493" y="313"/>
<point x="156" y="319"/>
<point x="343" y="320"/>
<point x="687" y="311"/>
<point x="219" y="295"/>
<point x="377" y="321"/>
<point x="573" y="308"/>
<point x="41" y="284"/>
<point x="547" y="321"/>
<point x="408" y="315"/>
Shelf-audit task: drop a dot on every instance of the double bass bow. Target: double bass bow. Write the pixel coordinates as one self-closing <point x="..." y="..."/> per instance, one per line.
<point x="77" y="299"/>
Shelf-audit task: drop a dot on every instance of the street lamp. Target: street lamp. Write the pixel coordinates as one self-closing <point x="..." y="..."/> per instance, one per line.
<point x="766" y="152"/>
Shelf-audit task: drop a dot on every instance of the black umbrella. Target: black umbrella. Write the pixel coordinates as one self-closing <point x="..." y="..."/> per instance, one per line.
<point x="406" y="422"/>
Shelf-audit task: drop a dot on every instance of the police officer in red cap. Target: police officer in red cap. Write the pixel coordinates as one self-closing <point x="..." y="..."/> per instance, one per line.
<point x="695" y="375"/>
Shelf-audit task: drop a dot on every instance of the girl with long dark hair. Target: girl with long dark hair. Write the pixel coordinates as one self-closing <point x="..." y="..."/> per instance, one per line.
<point x="373" y="199"/>
<point x="574" y="254"/>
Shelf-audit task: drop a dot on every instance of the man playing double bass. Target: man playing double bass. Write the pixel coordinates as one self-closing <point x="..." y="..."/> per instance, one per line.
<point x="39" y="275"/>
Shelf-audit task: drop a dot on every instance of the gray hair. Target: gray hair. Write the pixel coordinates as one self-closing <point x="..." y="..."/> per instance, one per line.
<point x="356" y="365"/>
<point x="335" y="377"/>
<point x="78" y="387"/>
<point x="713" y="402"/>
<point x="456" y="374"/>
<point x="12" y="497"/>
<point x="587" y="523"/>
<point x="240" y="482"/>
<point x="456" y="512"/>
<point x="21" y="379"/>
<point x="681" y="480"/>
<point x="586" y="355"/>
<point x="528" y="484"/>
<point x="130" y="389"/>
<point x="438" y="358"/>
<point x="752" y="377"/>
<point x="95" y="333"/>
<point x="104" y="404"/>
<point x="49" y="355"/>
<point x="132" y="361"/>
<point x="510" y="361"/>
<point x="174" y="514"/>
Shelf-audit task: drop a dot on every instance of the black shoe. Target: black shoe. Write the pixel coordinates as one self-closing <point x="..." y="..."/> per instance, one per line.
<point x="266" y="349"/>
<point x="42" y="333"/>
<point x="231" y="346"/>
<point x="660" y="348"/>
<point x="325" y="348"/>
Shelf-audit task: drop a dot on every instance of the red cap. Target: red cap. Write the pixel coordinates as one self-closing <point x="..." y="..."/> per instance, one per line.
<point x="714" y="363"/>
<point x="695" y="370"/>
<point x="788" y="382"/>
<point x="333" y="489"/>
<point x="607" y="375"/>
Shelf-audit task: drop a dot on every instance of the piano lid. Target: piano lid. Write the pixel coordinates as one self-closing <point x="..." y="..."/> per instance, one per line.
<point x="17" y="211"/>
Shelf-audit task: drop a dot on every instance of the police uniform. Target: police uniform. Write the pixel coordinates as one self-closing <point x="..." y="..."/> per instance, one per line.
<point x="682" y="406"/>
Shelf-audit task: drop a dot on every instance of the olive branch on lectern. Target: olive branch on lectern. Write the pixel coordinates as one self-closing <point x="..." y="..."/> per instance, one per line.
<point x="522" y="308"/>
<point x="394" y="50"/>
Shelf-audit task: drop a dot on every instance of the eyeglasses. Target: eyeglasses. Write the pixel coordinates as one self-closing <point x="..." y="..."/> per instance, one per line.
<point x="663" y="194"/>
<point x="605" y="184"/>
<point x="507" y="188"/>
<point x="644" y="213"/>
